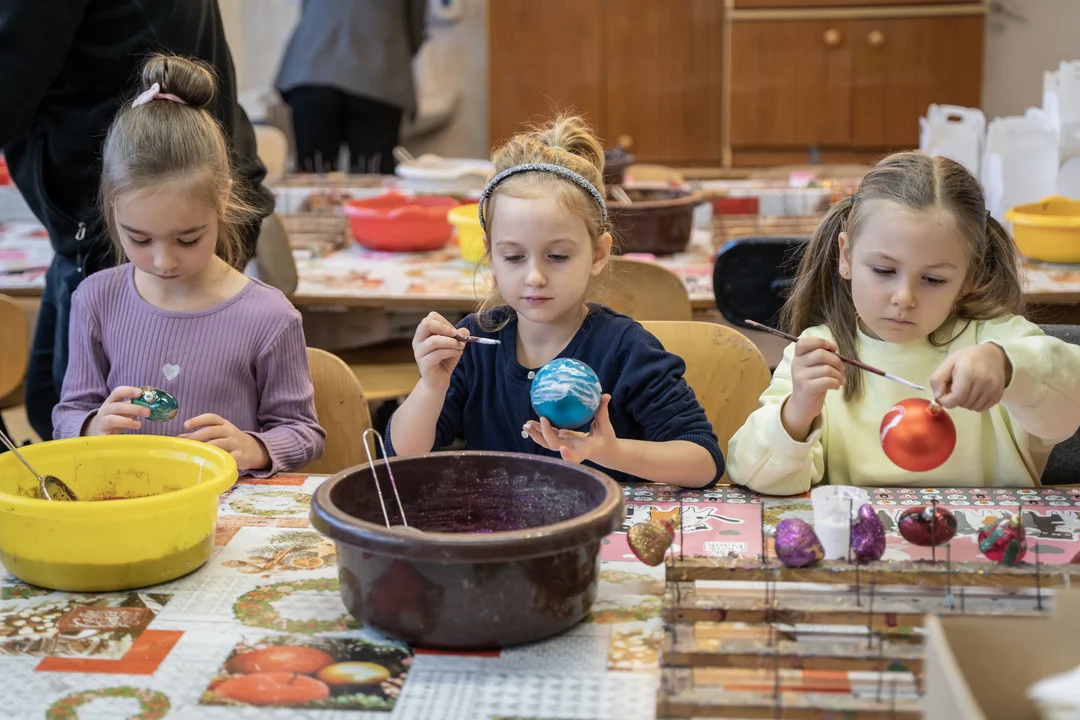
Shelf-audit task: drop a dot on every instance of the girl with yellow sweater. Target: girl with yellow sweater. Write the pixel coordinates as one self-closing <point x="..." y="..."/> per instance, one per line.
<point x="913" y="276"/>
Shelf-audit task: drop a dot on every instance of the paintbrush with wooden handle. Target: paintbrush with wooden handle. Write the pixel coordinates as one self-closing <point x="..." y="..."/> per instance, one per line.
<point x="849" y="361"/>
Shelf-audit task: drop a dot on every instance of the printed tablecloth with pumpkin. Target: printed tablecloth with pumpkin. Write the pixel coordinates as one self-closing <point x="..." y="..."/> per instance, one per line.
<point x="268" y="601"/>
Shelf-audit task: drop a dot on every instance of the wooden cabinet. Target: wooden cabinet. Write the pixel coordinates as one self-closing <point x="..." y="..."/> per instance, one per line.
<point x="833" y="4"/>
<point x="790" y="83"/>
<point x="663" y="78"/>
<point x="816" y="79"/>
<point x="901" y="66"/>
<point x="644" y="71"/>
<point x="735" y="82"/>
<point x="543" y="57"/>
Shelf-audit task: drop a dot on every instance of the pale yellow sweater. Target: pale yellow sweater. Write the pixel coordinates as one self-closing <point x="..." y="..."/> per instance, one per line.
<point x="1006" y="446"/>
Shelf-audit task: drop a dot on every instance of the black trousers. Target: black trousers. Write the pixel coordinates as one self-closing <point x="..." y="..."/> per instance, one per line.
<point x="49" y="352"/>
<point x="324" y="118"/>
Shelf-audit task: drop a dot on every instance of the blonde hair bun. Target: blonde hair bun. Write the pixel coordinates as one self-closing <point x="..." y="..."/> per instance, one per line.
<point x="567" y="141"/>
<point x="570" y="134"/>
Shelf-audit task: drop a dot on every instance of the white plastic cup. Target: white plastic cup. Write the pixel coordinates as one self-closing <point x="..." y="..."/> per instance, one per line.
<point x="833" y="508"/>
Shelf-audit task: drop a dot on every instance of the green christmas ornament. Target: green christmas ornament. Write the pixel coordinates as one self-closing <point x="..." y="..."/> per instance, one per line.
<point x="163" y="406"/>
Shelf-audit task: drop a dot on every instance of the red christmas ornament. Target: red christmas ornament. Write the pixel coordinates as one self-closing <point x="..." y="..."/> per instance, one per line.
<point x="917" y="435"/>
<point x="927" y="525"/>
<point x="1004" y="541"/>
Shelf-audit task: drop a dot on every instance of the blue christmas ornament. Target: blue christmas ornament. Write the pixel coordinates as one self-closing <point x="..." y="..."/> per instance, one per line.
<point x="567" y="392"/>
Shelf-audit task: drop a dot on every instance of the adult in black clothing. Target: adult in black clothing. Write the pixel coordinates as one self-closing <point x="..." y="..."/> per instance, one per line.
<point x="65" y="67"/>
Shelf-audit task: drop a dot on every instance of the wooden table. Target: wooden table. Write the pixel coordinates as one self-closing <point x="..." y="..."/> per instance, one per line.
<point x="441" y="280"/>
<point x="272" y="581"/>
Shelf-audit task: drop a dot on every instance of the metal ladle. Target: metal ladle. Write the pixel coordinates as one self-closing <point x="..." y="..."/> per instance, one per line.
<point x="49" y="487"/>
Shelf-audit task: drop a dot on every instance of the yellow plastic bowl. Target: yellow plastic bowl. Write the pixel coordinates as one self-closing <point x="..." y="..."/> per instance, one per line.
<point x="470" y="234"/>
<point x="1048" y="231"/>
<point x="158" y="525"/>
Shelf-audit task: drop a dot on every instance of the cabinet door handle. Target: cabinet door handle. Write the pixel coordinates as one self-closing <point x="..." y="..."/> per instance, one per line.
<point x="832" y="38"/>
<point x="876" y="39"/>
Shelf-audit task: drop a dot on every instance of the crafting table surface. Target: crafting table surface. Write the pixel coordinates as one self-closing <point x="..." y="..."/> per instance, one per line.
<point x="272" y="581"/>
<point x="441" y="278"/>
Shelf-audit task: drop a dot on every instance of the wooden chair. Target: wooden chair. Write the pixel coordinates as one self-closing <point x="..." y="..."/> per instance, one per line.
<point x="273" y="256"/>
<point x="387" y="371"/>
<point x="725" y="370"/>
<point x="273" y="148"/>
<point x="645" y="291"/>
<point x="343" y="413"/>
<point x="14" y="346"/>
<point x="1063" y="465"/>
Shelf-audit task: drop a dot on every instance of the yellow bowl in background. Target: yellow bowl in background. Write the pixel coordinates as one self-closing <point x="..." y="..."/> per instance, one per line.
<point x="153" y="519"/>
<point x="470" y="234"/>
<point x="1048" y="231"/>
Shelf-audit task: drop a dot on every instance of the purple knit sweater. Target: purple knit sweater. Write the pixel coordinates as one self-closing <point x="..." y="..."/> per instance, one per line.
<point x="244" y="359"/>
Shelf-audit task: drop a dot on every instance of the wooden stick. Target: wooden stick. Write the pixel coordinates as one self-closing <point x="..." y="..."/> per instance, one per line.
<point x="776" y="674"/>
<point x="763" y="540"/>
<point x="906" y="572"/>
<point x="682" y="544"/>
<point x="933" y="531"/>
<point x="948" y="573"/>
<point x="858" y="586"/>
<point x="880" y="669"/>
<point x="697" y="651"/>
<point x="890" y="611"/>
<point x="849" y="361"/>
<point x="1038" y="573"/>
<point x="870" y="618"/>
<point x="850" y="512"/>
<point x="698" y="694"/>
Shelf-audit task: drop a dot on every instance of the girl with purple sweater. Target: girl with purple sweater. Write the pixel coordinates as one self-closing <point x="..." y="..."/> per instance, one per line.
<point x="178" y="316"/>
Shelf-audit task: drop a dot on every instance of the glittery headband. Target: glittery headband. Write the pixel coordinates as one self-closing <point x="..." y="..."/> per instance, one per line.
<point x="565" y="173"/>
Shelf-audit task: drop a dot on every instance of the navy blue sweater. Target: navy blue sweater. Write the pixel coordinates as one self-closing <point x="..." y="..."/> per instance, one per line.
<point x="488" y="400"/>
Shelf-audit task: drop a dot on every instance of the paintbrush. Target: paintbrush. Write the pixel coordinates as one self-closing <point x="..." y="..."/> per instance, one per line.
<point x="849" y="361"/>
<point x="478" y="340"/>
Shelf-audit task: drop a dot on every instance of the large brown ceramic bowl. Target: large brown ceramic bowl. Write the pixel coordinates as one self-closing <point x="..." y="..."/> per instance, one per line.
<point x="659" y="221"/>
<point x="509" y="551"/>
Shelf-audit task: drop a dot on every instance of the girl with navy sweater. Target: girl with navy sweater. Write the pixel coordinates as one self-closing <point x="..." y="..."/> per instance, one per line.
<point x="547" y="242"/>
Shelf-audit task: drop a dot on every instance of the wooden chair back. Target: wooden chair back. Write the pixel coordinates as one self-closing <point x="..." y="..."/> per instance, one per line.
<point x="725" y="370"/>
<point x="645" y="291"/>
<point x="14" y="346"/>
<point x="273" y="148"/>
<point x="1063" y="465"/>
<point x="342" y="410"/>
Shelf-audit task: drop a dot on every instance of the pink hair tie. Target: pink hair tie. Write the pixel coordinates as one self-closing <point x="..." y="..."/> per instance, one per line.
<point x="154" y="93"/>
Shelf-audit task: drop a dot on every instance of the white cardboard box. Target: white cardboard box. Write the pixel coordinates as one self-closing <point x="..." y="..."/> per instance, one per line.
<point x="980" y="668"/>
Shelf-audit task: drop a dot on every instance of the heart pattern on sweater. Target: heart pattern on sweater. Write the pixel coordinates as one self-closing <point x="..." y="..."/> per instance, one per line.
<point x="170" y="371"/>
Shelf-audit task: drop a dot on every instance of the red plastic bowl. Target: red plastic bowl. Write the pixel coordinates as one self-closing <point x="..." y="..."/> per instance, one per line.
<point x="398" y="223"/>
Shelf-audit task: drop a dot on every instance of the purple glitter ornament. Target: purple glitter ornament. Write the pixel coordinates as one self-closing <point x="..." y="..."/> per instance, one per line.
<point x="796" y="543"/>
<point x="867" y="535"/>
